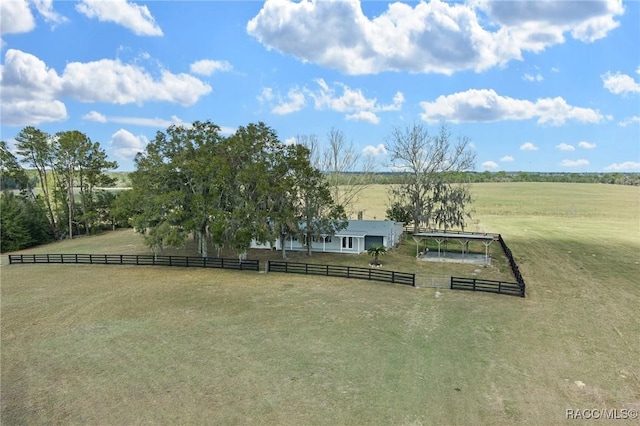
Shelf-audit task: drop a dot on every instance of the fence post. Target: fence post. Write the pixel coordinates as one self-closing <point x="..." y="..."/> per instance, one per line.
<point x="187" y="259"/>
<point x="393" y="277"/>
<point x="499" y="287"/>
<point x="76" y="258"/>
<point x="474" y="284"/>
<point x="347" y="271"/>
<point x="306" y="269"/>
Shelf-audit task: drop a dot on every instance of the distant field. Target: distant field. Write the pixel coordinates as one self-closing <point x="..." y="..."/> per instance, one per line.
<point x="129" y="345"/>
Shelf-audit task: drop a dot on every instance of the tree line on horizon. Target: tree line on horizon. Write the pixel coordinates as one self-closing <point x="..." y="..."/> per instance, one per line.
<point x="225" y="191"/>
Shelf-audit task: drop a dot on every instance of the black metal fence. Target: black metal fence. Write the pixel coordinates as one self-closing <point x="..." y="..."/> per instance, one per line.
<point x="343" y="272"/>
<point x="490" y="286"/>
<point x="512" y="263"/>
<point x="138" y="259"/>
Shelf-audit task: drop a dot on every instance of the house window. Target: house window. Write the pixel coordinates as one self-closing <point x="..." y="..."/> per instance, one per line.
<point x="347" y="242"/>
<point x="328" y="239"/>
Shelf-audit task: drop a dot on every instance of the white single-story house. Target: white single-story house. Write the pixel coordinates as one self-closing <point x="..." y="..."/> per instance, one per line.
<point x="356" y="238"/>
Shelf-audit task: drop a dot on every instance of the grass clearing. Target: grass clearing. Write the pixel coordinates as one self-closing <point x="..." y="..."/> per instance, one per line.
<point x="130" y="344"/>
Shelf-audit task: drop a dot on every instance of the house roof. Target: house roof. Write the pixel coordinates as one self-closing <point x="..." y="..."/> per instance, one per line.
<point x="361" y="228"/>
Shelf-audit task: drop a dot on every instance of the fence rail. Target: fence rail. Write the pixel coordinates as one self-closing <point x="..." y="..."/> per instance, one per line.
<point x="512" y="262"/>
<point x="490" y="286"/>
<point x="138" y="259"/>
<point x="343" y="272"/>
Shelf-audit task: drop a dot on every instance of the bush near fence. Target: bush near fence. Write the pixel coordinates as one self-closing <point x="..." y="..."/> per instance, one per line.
<point x="138" y="259"/>
<point x="374" y="274"/>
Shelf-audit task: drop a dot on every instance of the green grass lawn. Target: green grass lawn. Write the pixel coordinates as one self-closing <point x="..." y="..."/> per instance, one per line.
<point x="96" y="344"/>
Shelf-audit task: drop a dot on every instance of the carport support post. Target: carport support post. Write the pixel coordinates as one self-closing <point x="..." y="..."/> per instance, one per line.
<point x="417" y="240"/>
<point x="486" y="251"/>
<point x="463" y="243"/>
<point x="439" y="241"/>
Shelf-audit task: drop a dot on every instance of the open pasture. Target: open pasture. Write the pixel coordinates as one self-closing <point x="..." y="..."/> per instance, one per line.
<point x="132" y="344"/>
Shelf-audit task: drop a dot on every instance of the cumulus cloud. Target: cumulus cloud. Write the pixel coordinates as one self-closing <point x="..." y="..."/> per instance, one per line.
<point x="506" y="159"/>
<point x="574" y="163"/>
<point x="95" y="116"/>
<point x="16" y="17"/>
<point x="132" y="16"/>
<point x="489" y="165"/>
<point x="626" y="166"/>
<point x="565" y="147"/>
<point x="295" y="101"/>
<point x="486" y="105"/>
<point x="528" y="146"/>
<point x="620" y="84"/>
<point x="426" y="37"/>
<point x="338" y="97"/>
<point x="586" y="145"/>
<point x="31" y="88"/>
<point x="366" y="116"/>
<point x="126" y="145"/>
<point x="375" y="151"/>
<point x="208" y="67"/>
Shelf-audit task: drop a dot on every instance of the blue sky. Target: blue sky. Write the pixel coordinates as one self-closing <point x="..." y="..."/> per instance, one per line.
<point x="537" y="86"/>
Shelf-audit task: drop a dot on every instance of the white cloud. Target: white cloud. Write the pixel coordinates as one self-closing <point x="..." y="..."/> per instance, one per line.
<point x="434" y="36"/>
<point x="630" y="120"/>
<point x="367" y="116"/>
<point x="95" y="116"/>
<point x="156" y="122"/>
<point x="574" y="163"/>
<point x="112" y="81"/>
<point x="506" y="159"/>
<point x="528" y="146"/>
<point x="565" y="147"/>
<point x="16" y="17"/>
<point x="489" y="165"/>
<point x="338" y="97"/>
<point x="29" y="88"/>
<point x="586" y="145"/>
<point x="352" y="102"/>
<point x="620" y="84"/>
<point x="266" y="95"/>
<point x="27" y="85"/>
<point x="208" y="67"/>
<point x="295" y="102"/>
<point x="626" y="166"/>
<point x="32" y="112"/>
<point x="529" y="77"/>
<point x="291" y="141"/>
<point x="126" y="145"/>
<point x="375" y="151"/>
<point x="486" y="105"/>
<point x="45" y="8"/>
<point x="130" y="15"/>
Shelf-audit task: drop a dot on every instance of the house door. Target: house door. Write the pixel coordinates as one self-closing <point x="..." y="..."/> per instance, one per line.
<point x="370" y="240"/>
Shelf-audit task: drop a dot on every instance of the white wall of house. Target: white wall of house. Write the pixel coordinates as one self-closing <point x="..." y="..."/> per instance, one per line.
<point x="350" y="240"/>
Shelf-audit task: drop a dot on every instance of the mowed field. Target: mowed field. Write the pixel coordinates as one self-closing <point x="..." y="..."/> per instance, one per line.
<point x="106" y="344"/>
